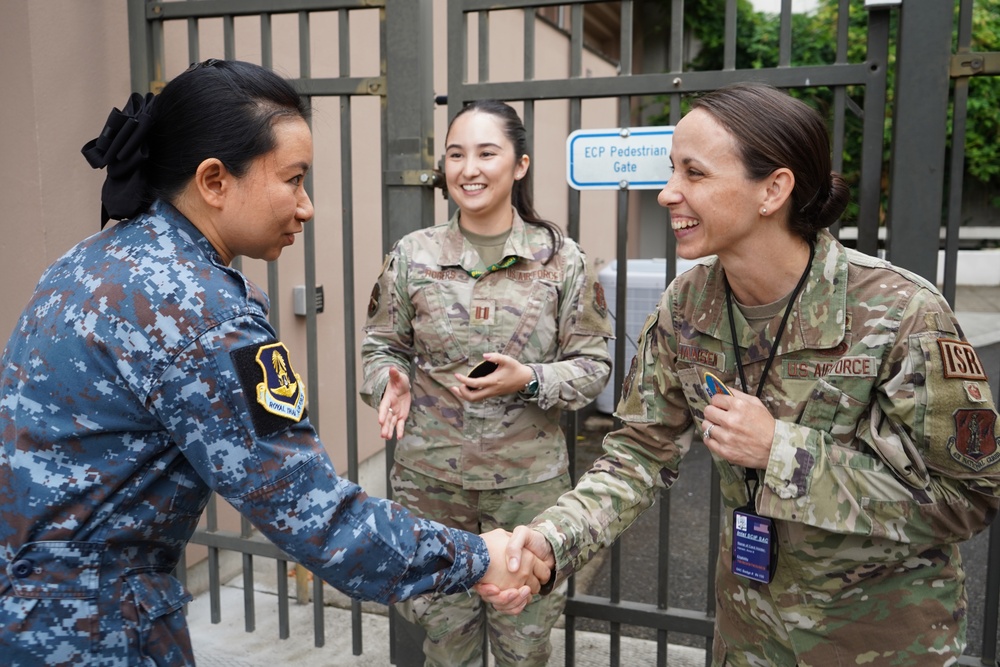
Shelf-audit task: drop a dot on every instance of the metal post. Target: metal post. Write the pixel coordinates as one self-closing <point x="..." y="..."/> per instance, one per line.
<point x="920" y="115"/>
<point x="409" y="116"/>
<point x="408" y="165"/>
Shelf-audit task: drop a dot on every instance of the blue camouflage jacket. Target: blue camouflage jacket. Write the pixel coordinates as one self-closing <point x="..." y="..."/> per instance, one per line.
<point x="142" y="376"/>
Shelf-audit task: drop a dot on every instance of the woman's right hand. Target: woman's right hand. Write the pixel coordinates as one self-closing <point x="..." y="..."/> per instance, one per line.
<point x="395" y="405"/>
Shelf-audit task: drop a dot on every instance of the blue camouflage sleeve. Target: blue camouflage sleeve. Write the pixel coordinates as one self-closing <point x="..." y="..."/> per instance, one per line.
<point x="234" y="404"/>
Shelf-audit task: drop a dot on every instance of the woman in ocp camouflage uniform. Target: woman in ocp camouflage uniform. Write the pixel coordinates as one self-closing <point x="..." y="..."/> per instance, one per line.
<point x="496" y="283"/>
<point x="858" y="445"/>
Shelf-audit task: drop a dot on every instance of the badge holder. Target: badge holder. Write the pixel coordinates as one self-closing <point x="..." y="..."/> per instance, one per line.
<point x="755" y="543"/>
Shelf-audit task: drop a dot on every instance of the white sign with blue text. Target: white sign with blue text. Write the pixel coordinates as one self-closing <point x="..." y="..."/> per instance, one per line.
<point x="630" y="158"/>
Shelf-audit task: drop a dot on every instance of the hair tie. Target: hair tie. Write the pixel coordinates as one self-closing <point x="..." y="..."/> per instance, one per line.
<point x="121" y="147"/>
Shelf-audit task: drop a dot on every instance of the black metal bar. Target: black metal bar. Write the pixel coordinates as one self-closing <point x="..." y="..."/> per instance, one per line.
<point x="672" y="619"/>
<point x="919" y="122"/>
<point x="217" y="8"/>
<point x="669" y="82"/>
<point x="347" y="257"/>
<point x="785" y="35"/>
<point x="960" y="108"/>
<point x="873" y="130"/>
<point x="281" y="568"/>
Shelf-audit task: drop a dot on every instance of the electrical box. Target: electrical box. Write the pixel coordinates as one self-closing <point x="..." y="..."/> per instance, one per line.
<point x="299" y="305"/>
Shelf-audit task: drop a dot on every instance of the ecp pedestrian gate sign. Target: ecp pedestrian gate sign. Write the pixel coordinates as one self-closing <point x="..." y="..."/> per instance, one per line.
<point x="636" y="158"/>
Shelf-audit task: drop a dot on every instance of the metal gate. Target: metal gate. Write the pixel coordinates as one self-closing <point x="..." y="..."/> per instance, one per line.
<point x="903" y="222"/>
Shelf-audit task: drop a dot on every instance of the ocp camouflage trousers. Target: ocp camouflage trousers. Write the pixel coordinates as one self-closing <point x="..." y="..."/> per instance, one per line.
<point x="455" y="623"/>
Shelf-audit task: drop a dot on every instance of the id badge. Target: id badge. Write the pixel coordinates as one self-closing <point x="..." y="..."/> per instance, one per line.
<point x="755" y="546"/>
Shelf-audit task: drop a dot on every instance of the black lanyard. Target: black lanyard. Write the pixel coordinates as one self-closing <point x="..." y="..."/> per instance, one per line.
<point x="751" y="474"/>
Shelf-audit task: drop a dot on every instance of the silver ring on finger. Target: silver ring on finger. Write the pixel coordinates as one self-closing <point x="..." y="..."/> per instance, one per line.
<point x="708" y="431"/>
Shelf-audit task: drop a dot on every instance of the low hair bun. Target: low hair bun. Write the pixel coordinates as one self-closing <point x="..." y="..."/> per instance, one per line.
<point x="828" y="211"/>
<point x="122" y="149"/>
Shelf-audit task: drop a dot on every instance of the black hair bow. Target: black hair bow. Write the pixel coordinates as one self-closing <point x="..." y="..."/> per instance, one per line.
<point x="121" y="148"/>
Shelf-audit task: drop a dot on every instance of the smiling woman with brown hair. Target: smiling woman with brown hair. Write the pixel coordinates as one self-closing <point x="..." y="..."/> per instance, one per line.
<point x="849" y="420"/>
<point x="496" y="288"/>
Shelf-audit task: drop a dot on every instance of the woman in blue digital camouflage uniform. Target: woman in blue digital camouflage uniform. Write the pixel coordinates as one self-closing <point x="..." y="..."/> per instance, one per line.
<point x="496" y="283"/>
<point x="144" y="375"/>
<point x="857" y="443"/>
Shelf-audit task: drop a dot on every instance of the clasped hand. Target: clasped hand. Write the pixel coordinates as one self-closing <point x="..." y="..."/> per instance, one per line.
<point x="520" y="563"/>
<point x="509" y="377"/>
<point x="742" y="429"/>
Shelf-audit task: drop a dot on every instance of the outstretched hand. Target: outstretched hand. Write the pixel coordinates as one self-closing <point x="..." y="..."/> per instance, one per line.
<point x="395" y="405"/>
<point x="525" y="549"/>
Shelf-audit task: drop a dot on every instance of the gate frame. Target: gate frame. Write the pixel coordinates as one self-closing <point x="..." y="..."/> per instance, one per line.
<point x="405" y="88"/>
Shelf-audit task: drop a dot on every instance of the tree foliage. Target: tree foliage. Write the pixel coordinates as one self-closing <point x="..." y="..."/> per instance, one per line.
<point x="813" y="42"/>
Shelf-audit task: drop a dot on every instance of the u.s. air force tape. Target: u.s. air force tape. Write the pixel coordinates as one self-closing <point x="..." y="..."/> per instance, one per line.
<point x="275" y="394"/>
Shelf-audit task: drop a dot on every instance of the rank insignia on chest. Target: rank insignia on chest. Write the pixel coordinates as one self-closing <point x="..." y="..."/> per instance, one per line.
<point x="274" y="392"/>
<point x="974" y="444"/>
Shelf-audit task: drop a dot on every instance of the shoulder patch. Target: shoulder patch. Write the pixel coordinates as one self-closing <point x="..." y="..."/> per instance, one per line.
<point x="959" y="360"/>
<point x="380" y="306"/>
<point x="974" y="444"/>
<point x="275" y="394"/>
<point x="600" y="302"/>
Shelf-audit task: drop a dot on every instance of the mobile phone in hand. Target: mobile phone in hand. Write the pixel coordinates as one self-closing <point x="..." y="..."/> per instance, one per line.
<point x="483" y="368"/>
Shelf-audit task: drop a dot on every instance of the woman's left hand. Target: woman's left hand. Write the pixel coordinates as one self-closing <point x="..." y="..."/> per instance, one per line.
<point x="739" y="429"/>
<point x="509" y="377"/>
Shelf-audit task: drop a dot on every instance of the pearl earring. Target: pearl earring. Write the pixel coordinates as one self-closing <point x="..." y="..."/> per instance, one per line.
<point x="763" y="211"/>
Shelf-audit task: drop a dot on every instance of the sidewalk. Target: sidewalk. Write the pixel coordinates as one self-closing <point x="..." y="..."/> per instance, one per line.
<point x="227" y="644"/>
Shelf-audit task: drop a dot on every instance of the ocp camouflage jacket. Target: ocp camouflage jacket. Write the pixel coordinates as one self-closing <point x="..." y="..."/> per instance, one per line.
<point x="427" y="309"/>
<point x="884" y="457"/>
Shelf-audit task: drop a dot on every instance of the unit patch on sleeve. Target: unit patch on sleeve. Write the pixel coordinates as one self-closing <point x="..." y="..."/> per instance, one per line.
<point x="274" y="392"/>
<point x="600" y="301"/>
<point x="974" y="444"/>
<point x="959" y="360"/>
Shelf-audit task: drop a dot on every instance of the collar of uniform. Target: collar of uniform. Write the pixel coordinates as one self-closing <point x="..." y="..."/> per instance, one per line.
<point x="818" y="318"/>
<point x="165" y="211"/>
<point x="457" y="251"/>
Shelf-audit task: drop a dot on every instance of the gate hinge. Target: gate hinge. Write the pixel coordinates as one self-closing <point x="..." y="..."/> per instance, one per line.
<point x="374" y="85"/>
<point x="972" y="64"/>
<point x="429" y="178"/>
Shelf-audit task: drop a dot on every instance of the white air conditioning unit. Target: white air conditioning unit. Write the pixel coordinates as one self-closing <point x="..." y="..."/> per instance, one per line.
<point x="645" y="283"/>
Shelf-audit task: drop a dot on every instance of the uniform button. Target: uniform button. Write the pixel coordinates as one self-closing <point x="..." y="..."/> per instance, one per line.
<point x="22" y="568"/>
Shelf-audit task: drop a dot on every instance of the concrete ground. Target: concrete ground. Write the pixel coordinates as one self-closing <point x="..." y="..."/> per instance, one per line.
<point x="228" y="644"/>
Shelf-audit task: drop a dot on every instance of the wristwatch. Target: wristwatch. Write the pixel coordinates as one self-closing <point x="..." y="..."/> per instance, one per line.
<point x="530" y="389"/>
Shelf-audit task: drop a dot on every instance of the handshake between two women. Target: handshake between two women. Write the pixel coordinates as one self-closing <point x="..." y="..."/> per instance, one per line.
<point x="520" y="564"/>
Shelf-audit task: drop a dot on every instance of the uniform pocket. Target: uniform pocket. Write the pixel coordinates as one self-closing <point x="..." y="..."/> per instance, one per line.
<point x="434" y="323"/>
<point x="153" y="618"/>
<point x="834" y="411"/>
<point x="535" y="337"/>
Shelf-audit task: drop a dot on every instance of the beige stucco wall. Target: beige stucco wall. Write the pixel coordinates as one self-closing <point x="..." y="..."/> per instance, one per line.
<point x="65" y="63"/>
